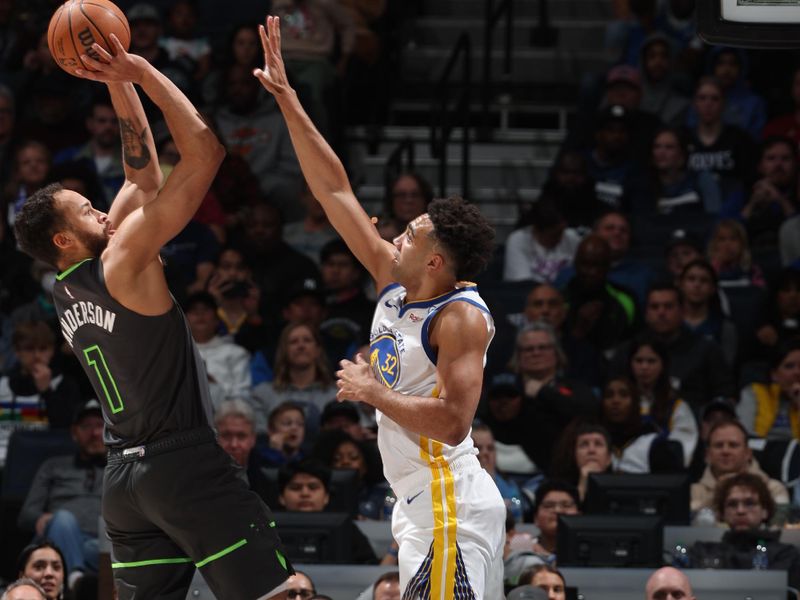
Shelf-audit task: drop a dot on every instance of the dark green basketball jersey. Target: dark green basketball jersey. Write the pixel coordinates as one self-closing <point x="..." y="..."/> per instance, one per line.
<point x="146" y="371"/>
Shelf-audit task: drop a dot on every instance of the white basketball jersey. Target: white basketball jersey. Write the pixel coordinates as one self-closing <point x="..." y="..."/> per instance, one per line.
<point x="403" y="360"/>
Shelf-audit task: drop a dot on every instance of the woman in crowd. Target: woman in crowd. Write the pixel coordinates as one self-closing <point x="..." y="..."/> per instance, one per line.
<point x="302" y="376"/>
<point x="243" y="48"/>
<point x="702" y="312"/>
<point x="584" y="448"/>
<point x="408" y="197"/>
<point x="729" y="253"/>
<point x="781" y="319"/>
<point x="660" y="406"/>
<point x="635" y="446"/>
<point x="44" y="563"/>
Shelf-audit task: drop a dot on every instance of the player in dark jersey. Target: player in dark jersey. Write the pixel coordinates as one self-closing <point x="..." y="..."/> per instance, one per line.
<point x="172" y="499"/>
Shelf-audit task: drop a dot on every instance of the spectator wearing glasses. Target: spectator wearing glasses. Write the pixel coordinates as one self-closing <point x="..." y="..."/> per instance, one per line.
<point x="299" y="586"/>
<point x="409" y="196"/>
<point x="63" y="503"/>
<point x="553" y="498"/>
<point x="745" y="505"/>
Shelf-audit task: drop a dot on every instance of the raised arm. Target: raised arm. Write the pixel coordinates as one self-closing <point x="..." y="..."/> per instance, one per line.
<point x="321" y="167"/>
<point x="137" y="242"/>
<point x="142" y="172"/>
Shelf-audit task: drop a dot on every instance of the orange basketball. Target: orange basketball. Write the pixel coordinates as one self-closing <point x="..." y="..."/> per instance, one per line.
<point x="77" y="24"/>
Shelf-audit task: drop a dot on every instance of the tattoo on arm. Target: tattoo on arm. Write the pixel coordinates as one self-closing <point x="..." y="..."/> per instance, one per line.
<point x="134" y="146"/>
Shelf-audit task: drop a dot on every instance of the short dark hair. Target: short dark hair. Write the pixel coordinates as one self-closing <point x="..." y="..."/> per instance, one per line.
<point x="728" y="423"/>
<point x="37" y="222"/>
<point x="202" y="298"/>
<point x="335" y="247"/>
<point x="777" y="140"/>
<point x="37" y="333"/>
<point x="390" y="576"/>
<point x="555" y="485"/>
<point x="465" y="233"/>
<point x="745" y="480"/>
<point x="310" y="466"/>
<point x="780" y="351"/>
<point x="526" y="578"/>
<point x="664" y="286"/>
<point x="27" y="551"/>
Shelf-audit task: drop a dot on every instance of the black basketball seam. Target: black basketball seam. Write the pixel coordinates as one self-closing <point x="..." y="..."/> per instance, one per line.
<point x="51" y="39"/>
<point x="111" y="12"/>
<point x="93" y="24"/>
<point x="72" y="35"/>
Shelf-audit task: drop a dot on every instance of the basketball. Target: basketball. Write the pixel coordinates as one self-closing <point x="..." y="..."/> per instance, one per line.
<point x="77" y="24"/>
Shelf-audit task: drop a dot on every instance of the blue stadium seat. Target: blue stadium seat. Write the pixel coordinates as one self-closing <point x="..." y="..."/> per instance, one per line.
<point x="26" y="451"/>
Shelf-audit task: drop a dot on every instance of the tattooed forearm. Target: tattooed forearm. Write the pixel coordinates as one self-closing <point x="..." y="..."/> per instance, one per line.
<point x="134" y="146"/>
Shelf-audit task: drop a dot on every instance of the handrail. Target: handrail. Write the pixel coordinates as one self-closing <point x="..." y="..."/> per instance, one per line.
<point x="493" y="14"/>
<point x="394" y="163"/>
<point x="441" y="122"/>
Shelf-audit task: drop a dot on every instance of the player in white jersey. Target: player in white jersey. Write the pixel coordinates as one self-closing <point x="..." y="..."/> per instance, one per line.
<point x="427" y="351"/>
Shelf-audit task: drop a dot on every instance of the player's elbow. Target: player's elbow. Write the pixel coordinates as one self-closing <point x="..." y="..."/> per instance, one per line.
<point x="456" y="431"/>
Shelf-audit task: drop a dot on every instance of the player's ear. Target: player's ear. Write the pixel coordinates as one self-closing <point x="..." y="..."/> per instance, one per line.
<point x="62" y="240"/>
<point x="435" y="262"/>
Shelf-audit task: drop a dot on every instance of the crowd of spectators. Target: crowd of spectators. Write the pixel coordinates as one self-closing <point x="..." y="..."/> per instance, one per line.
<point x="657" y="327"/>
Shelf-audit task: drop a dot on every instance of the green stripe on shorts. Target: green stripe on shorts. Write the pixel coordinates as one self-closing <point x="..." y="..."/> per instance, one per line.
<point x="221" y="553"/>
<point x="149" y="563"/>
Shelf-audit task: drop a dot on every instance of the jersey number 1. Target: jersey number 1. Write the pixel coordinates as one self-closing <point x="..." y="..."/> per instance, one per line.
<point x="95" y="358"/>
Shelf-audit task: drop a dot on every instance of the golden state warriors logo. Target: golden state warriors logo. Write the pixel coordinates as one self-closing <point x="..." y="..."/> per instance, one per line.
<point x="384" y="359"/>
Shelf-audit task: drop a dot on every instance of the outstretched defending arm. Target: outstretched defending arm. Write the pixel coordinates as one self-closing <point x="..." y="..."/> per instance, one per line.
<point x="142" y="172"/>
<point x="321" y="167"/>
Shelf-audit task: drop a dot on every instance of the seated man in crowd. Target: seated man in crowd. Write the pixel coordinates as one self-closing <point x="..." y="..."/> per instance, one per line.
<point x="553" y="498"/>
<point x="24" y="589"/>
<point x="305" y="487"/>
<point x="728" y="454"/>
<point x="668" y="582"/>
<point x="298" y="585"/>
<point x="63" y="503"/>
<point x="745" y="505"/>
<point x="387" y="587"/>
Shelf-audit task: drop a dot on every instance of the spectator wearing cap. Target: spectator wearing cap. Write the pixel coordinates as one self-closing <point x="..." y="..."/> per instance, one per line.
<point x="718" y="147"/>
<point x="744" y="504"/>
<point x="349" y="311"/>
<point x="337" y="449"/>
<point x="35" y="393"/>
<point x="310" y="234"/>
<point x="772" y="410"/>
<point x="515" y="500"/>
<point x="698" y="368"/>
<point x="600" y="312"/>
<point x="681" y="248"/>
<point x="305" y="487"/>
<point x="227" y="363"/>
<point x="302" y="376"/>
<point x="63" y="503"/>
<point x="669" y="189"/>
<point x="728" y="454"/>
<point x="538" y="251"/>
<point x="659" y="94"/>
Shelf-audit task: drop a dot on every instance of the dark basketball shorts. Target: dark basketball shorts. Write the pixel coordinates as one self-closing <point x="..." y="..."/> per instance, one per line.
<point x="170" y="508"/>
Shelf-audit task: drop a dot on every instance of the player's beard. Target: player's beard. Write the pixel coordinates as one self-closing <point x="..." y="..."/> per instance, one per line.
<point x="94" y="242"/>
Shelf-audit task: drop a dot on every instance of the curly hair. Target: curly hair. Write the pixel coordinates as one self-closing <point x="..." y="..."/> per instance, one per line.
<point x="465" y="234"/>
<point x="37" y="222"/>
<point x="752" y="482"/>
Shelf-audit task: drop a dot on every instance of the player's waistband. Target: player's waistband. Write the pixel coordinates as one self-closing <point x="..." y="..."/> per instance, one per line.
<point x="176" y="441"/>
<point x="421" y="477"/>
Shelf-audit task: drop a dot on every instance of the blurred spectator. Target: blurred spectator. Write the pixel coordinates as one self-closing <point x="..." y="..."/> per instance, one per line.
<point x="702" y="313"/>
<point x="668" y="582"/>
<point x="8" y="132"/>
<point x="728" y="454"/>
<point x="102" y="153"/>
<point x="659" y="94"/>
<point x="43" y="563"/>
<point x="242" y="47"/>
<point x="40" y="307"/>
<point x="184" y="45"/>
<point x="313" y="232"/>
<point x="553" y="498"/>
<point x="787" y="124"/>
<point x="570" y="182"/>
<point x="305" y="487"/>
<point x="251" y="126"/>
<point x="636" y="447"/>
<point x="236" y="188"/>
<point x="17" y="286"/>
<point x="547" y="578"/>
<point x="713" y="413"/>
<point x="24" y="588"/>
<point x="189" y="259"/>
<point x="611" y="158"/>
<point x="697" y="366"/>
<point x="671" y="188"/>
<point x="387" y="587"/>
<point x="63" y="502"/>
<point x="584" y="448"/>
<point x="276" y="265"/>
<point x="302" y="376"/>
<point x="773" y="198"/>
<point x="483" y="439"/>
<point x="408" y="197"/>
<point x="309" y="31"/>
<point x="772" y="410"/>
<point x="745" y="505"/>
<point x="237" y="297"/>
<point x="600" y="312"/>
<point x="718" y="147"/>
<point x="343" y="416"/>
<point x="298" y="585"/>
<point x="80" y="177"/>
<point x="349" y="311"/>
<point x="729" y="253"/>
<point x="35" y="393"/>
<point x="781" y="316"/>
<point x="539" y="251"/>
<point x="743" y="108"/>
<point x="660" y="405"/>
<point x="681" y="249"/>
<point x="339" y="450"/>
<point x="554" y="400"/>
<point x="12" y="36"/>
<point x="227" y="364"/>
<point x="32" y="163"/>
<point x="286" y="434"/>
